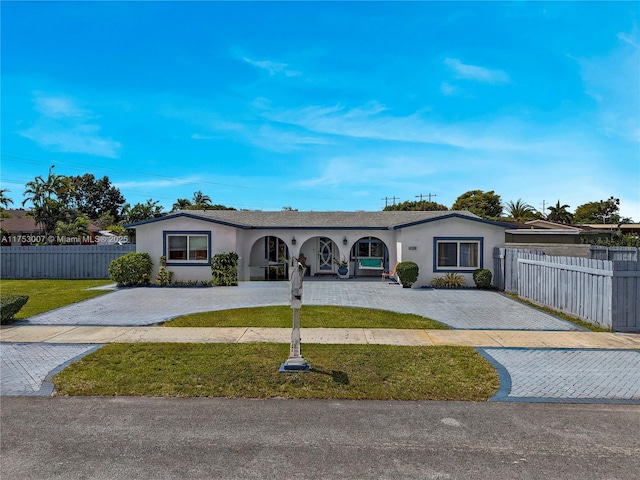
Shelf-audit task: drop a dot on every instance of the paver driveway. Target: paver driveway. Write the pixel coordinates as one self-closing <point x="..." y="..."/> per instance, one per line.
<point x="465" y="309"/>
<point x="526" y="374"/>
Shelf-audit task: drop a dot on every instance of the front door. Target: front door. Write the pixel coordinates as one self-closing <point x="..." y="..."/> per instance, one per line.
<point x="325" y="255"/>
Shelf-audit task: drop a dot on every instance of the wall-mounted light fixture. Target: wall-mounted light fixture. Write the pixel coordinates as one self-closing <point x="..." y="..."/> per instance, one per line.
<point x="345" y="241"/>
<point x="293" y="241"/>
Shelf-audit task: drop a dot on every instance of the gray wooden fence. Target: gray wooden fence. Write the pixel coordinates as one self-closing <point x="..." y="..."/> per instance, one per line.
<point x="58" y="261"/>
<point x="615" y="253"/>
<point x="505" y="267"/>
<point x="603" y="292"/>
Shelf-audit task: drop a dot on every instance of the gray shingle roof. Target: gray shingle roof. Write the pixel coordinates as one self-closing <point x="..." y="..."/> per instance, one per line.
<point x="288" y="219"/>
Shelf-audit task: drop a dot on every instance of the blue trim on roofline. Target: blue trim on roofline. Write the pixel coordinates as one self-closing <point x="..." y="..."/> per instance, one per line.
<point x="453" y="215"/>
<point x="188" y="215"/>
<point x="282" y="227"/>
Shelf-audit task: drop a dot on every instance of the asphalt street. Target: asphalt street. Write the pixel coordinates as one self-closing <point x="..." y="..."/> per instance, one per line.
<point x="171" y="438"/>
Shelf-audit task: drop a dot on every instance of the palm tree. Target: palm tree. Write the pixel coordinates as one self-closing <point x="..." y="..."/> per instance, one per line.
<point x="74" y="230"/>
<point x="182" y="204"/>
<point x="34" y="191"/>
<point x="40" y="192"/>
<point x="559" y="213"/>
<point x="4" y="200"/>
<point x="520" y="211"/>
<point x="38" y="189"/>
<point x="201" y="201"/>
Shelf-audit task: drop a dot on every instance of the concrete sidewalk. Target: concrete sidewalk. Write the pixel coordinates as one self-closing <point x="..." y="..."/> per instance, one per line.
<point x="474" y="338"/>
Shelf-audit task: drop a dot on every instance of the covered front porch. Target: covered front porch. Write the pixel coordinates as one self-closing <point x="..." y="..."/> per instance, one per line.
<point x="365" y="257"/>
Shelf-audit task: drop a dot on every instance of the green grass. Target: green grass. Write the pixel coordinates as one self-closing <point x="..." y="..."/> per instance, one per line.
<point x="251" y="371"/>
<point x="557" y="313"/>
<point x="45" y="295"/>
<point x="311" y="316"/>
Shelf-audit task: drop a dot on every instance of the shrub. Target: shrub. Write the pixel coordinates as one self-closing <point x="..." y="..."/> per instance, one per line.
<point x="450" y="280"/>
<point x="407" y="273"/>
<point x="131" y="269"/>
<point x="482" y="278"/>
<point x="9" y="306"/>
<point x="224" y="269"/>
<point x="164" y="275"/>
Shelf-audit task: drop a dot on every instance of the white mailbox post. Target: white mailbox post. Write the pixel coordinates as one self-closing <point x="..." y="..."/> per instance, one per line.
<point x="295" y="362"/>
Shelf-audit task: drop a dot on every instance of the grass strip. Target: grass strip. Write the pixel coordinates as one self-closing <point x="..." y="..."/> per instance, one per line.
<point x="311" y="316"/>
<point x="381" y="372"/>
<point x="559" y="314"/>
<point x="45" y="295"/>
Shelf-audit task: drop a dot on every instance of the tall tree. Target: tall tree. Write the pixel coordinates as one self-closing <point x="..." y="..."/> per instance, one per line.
<point x="4" y="203"/>
<point x="559" y="213"/>
<point x="94" y="198"/>
<point x="201" y="201"/>
<point x="418" y="205"/>
<point x="70" y="232"/>
<point x="45" y="194"/>
<point x="604" y="211"/>
<point x="483" y="204"/>
<point x="182" y="204"/>
<point x="142" y="211"/>
<point x="4" y="200"/>
<point x="520" y="211"/>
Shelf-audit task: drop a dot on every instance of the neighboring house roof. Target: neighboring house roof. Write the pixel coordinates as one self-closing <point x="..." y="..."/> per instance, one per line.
<point x="20" y="222"/>
<point x="539" y="223"/>
<point x="609" y="227"/>
<point x="382" y="220"/>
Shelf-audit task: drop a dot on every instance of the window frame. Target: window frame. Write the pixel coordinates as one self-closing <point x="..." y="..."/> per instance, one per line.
<point x="369" y="241"/>
<point x="458" y="240"/>
<point x="186" y="233"/>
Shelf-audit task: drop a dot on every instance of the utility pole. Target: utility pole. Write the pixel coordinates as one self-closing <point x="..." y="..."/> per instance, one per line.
<point x="395" y="198"/>
<point x="386" y="202"/>
<point x="544" y="203"/>
<point x="428" y="195"/>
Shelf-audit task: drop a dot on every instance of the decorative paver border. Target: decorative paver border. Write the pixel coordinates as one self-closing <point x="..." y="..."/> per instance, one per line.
<point x="513" y="377"/>
<point x="25" y="375"/>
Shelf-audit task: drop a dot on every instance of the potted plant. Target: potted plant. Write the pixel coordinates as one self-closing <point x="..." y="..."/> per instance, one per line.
<point x="343" y="266"/>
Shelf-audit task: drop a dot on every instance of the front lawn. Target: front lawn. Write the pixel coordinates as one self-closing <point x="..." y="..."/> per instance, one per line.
<point x="382" y="372"/>
<point x="45" y="295"/>
<point x="311" y="316"/>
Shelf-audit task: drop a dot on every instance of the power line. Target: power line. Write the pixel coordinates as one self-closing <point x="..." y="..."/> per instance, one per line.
<point x="429" y="195"/>
<point x="108" y="169"/>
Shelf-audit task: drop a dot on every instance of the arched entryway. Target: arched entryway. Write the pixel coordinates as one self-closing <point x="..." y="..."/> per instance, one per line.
<point x="269" y="259"/>
<point x="370" y="257"/>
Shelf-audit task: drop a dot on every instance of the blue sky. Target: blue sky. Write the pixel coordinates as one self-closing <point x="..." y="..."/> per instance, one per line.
<point x="326" y="105"/>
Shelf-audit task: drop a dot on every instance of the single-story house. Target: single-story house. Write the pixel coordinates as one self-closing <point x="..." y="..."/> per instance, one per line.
<point x="371" y="242"/>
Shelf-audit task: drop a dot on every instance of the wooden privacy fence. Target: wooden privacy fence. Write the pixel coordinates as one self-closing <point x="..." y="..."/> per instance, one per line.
<point x="604" y="292"/>
<point x="58" y="261"/>
<point x="615" y="253"/>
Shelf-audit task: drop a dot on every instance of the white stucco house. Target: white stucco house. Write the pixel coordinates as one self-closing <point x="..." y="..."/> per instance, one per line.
<point x="371" y="242"/>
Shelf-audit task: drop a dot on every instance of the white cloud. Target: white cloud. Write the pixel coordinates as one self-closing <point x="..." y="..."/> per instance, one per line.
<point x="162" y="183"/>
<point x="447" y="89"/>
<point x="273" y="67"/>
<point x="507" y="134"/>
<point x="614" y="82"/>
<point x="65" y="127"/>
<point x="199" y="136"/>
<point x="78" y="139"/>
<point x="477" y="73"/>
<point x="57" y="107"/>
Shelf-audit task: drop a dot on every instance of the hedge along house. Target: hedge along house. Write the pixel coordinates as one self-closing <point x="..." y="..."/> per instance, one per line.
<point x="371" y="242"/>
